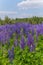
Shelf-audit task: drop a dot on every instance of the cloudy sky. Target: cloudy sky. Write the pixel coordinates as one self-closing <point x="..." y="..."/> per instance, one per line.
<point x="21" y="8"/>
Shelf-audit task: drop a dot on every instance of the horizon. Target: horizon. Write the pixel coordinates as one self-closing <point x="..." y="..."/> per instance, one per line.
<point x="21" y="9"/>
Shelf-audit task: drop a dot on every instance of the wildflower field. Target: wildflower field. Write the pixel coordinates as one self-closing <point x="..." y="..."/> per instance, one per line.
<point x="21" y="44"/>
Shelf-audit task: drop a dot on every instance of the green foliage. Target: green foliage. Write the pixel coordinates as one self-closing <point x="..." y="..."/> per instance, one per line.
<point x="33" y="20"/>
<point x="23" y="57"/>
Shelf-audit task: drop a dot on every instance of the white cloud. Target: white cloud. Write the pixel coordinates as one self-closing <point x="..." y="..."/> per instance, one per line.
<point x="7" y="12"/>
<point x="24" y="15"/>
<point x="10" y="14"/>
<point x="30" y="4"/>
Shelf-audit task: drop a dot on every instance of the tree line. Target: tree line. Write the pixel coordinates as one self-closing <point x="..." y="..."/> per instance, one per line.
<point x="32" y="20"/>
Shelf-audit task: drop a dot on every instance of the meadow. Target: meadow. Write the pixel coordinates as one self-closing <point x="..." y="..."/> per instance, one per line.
<point x="21" y="41"/>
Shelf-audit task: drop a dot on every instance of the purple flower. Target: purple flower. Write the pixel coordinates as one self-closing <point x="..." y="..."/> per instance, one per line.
<point x="16" y="42"/>
<point x="11" y="54"/>
<point x="22" y="42"/>
<point x="30" y="42"/>
<point x="32" y="47"/>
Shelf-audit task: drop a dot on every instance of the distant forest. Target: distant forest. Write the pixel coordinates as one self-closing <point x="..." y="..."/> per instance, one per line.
<point x="32" y="20"/>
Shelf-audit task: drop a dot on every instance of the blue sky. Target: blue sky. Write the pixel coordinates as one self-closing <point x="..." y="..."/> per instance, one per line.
<point x="21" y="8"/>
